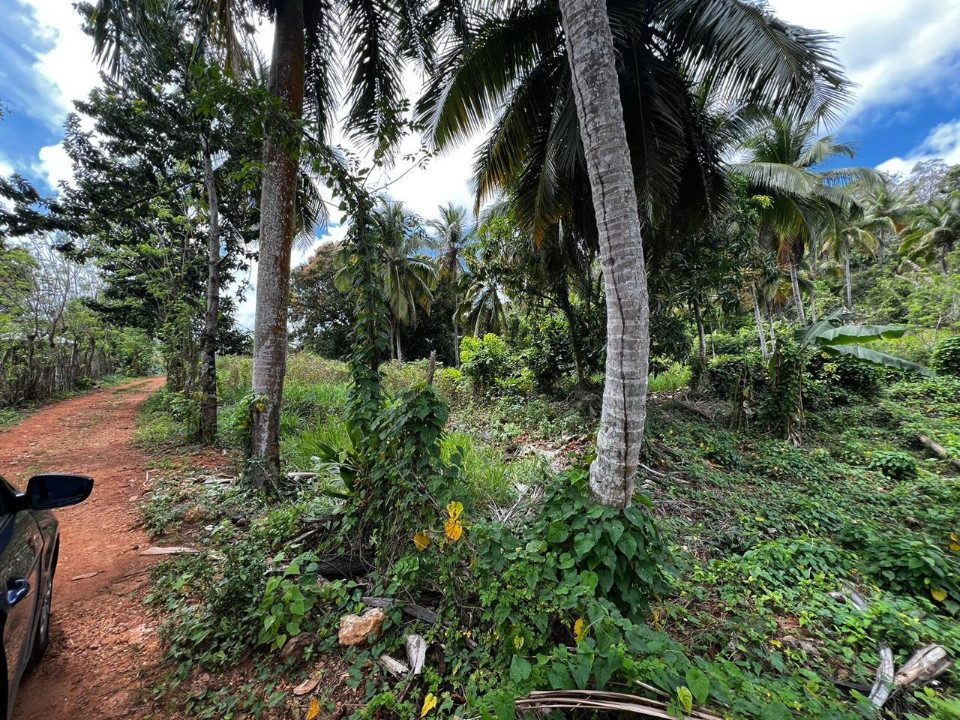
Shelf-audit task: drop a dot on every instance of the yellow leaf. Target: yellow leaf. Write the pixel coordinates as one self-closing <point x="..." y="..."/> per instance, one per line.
<point x="454" y="529"/>
<point x="421" y="540"/>
<point x="455" y="510"/>
<point x="580" y="630"/>
<point x="314" y="709"/>
<point x="518" y="642"/>
<point x="955" y="547"/>
<point x="429" y="703"/>
<point x="938" y="594"/>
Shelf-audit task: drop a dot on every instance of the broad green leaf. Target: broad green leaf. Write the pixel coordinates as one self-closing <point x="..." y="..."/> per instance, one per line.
<point x="581" y="672"/>
<point x="519" y="669"/>
<point x="875" y="357"/>
<point x="699" y="684"/>
<point x="852" y="334"/>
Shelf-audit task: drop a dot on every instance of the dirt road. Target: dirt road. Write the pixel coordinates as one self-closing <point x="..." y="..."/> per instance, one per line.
<point x="102" y="636"/>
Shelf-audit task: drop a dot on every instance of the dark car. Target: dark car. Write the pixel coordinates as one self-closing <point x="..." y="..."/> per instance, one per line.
<point x="29" y="547"/>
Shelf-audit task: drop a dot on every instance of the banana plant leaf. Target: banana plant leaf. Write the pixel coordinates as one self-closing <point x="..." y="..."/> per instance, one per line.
<point x="836" y="338"/>
<point x="805" y="335"/>
<point x="855" y="334"/>
<point x="875" y="357"/>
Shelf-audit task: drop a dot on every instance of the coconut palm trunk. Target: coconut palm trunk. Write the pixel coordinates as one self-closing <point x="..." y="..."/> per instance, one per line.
<point x="594" y="77"/>
<point x="761" y="331"/>
<point x="277" y="229"/>
<point x="456" y="321"/>
<point x="797" y="298"/>
<point x="701" y="331"/>
<point x="208" y="337"/>
<point x="846" y="274"/>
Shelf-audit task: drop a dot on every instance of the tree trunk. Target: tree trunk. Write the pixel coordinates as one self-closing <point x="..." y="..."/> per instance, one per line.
<point x="773" y="334"/>
<point x="701" y="333"/>
<point x="846" y="275"/>
<point x="456" y="312"/>
<point x="573" y="332"/>
<point x="396" y="336"/>
<point x="600" y="112"/>
<point x="277" y="226"/>
<point x="797" y="299"/>
<point x="208" y="337"/>
<point x="761" y="330"/>
<point x="813" y="300"/>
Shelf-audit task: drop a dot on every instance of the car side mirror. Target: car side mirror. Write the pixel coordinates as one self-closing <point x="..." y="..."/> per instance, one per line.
<point x="45" y="492"/>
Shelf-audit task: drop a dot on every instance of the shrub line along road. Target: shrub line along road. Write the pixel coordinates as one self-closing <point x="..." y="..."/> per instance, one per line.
<point x="103" y="638"/>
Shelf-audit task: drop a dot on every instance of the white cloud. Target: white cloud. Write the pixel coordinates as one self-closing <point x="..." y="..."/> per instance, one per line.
<point x="54" y="165"/>
<point x="67" y="68"/>
<point x="942" y="142"/>
<point x="6" y="169"/>
<point x="894" y="49"/>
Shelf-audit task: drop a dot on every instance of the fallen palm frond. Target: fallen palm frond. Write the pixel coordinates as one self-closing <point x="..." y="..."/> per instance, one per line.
<point x="598" y="700"/>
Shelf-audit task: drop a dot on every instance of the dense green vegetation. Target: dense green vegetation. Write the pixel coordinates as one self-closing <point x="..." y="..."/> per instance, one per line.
<point x="754" y="533"/>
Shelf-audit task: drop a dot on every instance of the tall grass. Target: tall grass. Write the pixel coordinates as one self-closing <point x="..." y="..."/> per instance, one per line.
<point x="674" y="378"/>
<point x="314" y="415"/>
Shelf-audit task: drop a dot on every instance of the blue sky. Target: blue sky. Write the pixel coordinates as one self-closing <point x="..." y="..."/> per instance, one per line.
<point x="904" y="55"/>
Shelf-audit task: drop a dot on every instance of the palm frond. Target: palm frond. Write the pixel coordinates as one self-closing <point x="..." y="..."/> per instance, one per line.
<point x="593" y="701"/>
<point x="471" y="83"/>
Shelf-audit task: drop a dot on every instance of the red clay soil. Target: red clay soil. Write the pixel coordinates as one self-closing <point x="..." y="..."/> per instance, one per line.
<point x="103" y="638"/>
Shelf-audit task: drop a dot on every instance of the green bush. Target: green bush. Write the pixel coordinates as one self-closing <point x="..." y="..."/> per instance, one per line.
<point x="894" y="465"/>
<point x="487" y="361"/>
<point x="857" y="376"/>
<point x="946" y="356"/>
<point x="911" y="564"/>
<point x="744" y="341"/>
<point x="730" y="376"/>
<point x="550" y="357"/>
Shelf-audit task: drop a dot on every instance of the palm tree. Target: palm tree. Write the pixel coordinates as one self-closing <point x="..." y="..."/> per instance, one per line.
<point x="783" y="157"/>
<point x="514" y="74"/>
<point x="562" y="150"/>
<point x="482" y="307"/>
<point x="885" y="201"/>
<point x="854" y="231"/>
<point x="933" y="229"/>
<point x="408" y="277"/>
<point x="453" y="233"/>
<point x="374" y="38"/>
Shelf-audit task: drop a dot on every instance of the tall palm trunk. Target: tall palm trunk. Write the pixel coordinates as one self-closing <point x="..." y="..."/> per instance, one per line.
<point x="701" y="332"/>
<point x="208" y="337"/>
<point x="573" y="330"/>
<point x="814" y="255"/>
<point x="277" y="226"/>
<point x="761" y="329"/>
<point x="813" y="300"/>
<point x="797" y="299"/>
<point x="846" y="274"/>
<point x="456" y="312"/>
<point x="600" y="112"/>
